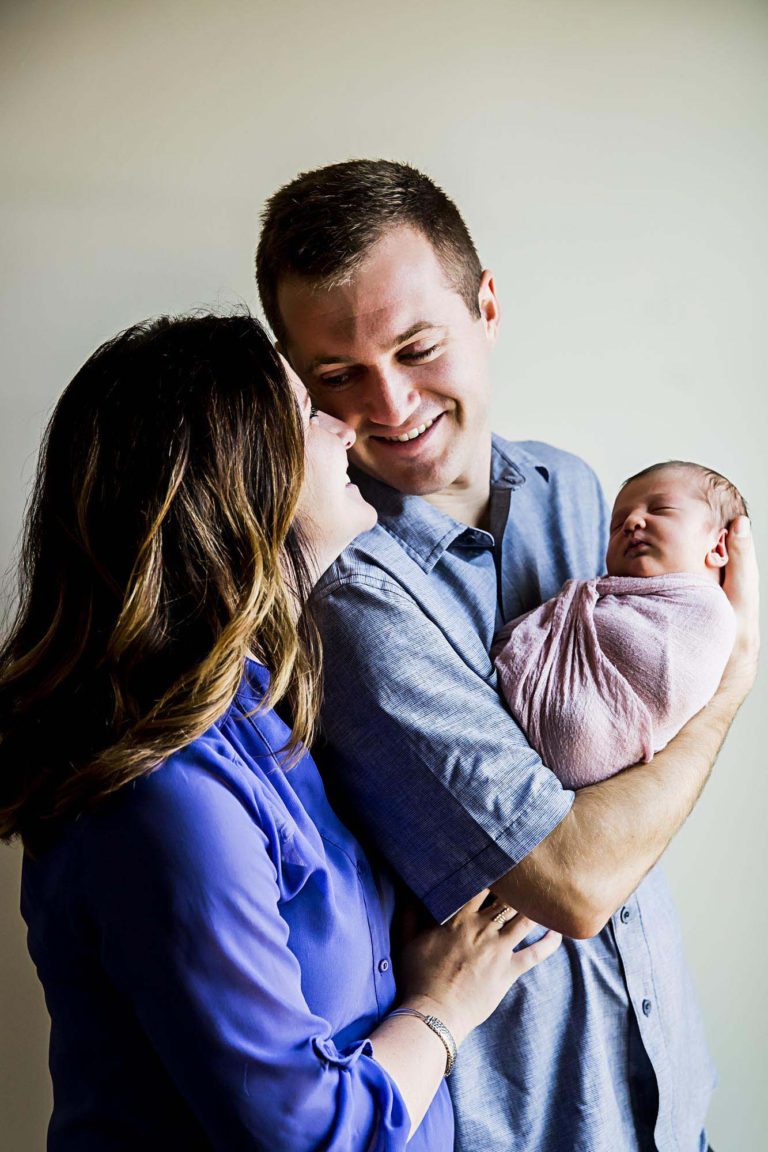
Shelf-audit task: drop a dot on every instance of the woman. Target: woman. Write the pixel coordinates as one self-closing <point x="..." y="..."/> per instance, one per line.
<point x="212" y="941"/>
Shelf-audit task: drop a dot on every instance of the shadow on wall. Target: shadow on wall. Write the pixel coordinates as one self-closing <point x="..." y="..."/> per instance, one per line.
<point x="25" y="1114"/>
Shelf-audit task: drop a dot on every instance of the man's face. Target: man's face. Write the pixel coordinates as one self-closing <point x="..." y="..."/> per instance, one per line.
<point x="396" y="355"/>
<point x="662" y="523"/>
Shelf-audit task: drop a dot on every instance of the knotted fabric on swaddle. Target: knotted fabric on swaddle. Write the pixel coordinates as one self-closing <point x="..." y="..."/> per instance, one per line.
<point x="608" y="671"/>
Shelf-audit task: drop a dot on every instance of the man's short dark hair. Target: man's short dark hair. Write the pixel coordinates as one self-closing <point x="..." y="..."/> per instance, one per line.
<point x="322" y="225"/>
<point x="723" y="497"/>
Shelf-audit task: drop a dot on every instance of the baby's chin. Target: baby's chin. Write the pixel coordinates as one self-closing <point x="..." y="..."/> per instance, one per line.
<point x="637" y="566"/>
<point x="647" y="566"/>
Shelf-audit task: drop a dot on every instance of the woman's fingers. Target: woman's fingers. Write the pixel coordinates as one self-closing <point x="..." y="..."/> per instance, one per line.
<point x="517" y="930"/>
<point x="499" y="913"/>
<point x="473" y="906"/>
<point x="505" y="922"/>
<point x="526" y="958"/>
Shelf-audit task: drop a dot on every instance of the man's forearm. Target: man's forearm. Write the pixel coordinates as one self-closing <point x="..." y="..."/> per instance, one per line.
<point x="617" y="829"/>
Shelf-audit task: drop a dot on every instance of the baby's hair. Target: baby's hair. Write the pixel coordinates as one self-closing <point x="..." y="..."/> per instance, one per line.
<point x="723" y="497"/>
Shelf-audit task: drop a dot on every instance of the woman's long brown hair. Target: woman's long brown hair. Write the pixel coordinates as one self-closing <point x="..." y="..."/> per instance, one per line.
<point x="160" y="548"/>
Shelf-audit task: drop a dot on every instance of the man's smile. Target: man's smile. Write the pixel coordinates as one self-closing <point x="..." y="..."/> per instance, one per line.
<point x="412" y="435"/>
<point x="418" y="432"/>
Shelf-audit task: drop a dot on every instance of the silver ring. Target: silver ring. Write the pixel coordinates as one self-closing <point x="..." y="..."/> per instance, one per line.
<point x="503" y="916"/>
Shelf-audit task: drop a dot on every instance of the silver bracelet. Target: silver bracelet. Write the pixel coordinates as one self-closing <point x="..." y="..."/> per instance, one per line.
<point x="440" y="1030"/>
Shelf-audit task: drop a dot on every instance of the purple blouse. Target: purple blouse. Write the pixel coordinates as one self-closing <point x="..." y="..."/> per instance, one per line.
<point x="214" y="950"/>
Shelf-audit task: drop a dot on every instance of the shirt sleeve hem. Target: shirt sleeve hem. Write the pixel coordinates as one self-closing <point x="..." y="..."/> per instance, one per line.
<point x="502" y="854"/>
<point x="341" y="1057"/>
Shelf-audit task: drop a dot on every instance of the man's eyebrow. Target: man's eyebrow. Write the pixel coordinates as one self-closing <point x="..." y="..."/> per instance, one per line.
<point x="419" y="326"/>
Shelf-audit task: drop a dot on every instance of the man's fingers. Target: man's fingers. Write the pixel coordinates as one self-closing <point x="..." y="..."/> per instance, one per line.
<point x="741" y="574"/>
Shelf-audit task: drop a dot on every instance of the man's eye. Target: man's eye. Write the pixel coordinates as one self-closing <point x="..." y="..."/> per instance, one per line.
<point x="419" y="354"/>
<point x="337" y="380"/>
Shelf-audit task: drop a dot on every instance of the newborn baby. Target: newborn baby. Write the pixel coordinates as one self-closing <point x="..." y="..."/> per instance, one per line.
<point x="606" y="673"/>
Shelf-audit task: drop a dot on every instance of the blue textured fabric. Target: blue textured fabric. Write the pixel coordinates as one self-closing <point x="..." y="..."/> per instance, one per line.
<point x="211" y="944"/>
<point x="600" y="1049"/>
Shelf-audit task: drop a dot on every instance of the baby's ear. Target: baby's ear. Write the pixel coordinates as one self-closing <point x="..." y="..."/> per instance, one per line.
<point x="717" y="557"/>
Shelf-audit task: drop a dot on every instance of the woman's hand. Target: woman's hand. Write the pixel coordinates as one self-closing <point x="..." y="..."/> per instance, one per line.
<point x="460" y="971"/>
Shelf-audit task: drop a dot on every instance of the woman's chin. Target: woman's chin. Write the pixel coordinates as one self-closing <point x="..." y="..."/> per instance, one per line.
<point x="365" y="515"/>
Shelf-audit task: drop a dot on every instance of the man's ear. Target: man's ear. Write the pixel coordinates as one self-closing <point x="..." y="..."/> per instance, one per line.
<point x="717" y="557"/>
<point x="488" y="304"/>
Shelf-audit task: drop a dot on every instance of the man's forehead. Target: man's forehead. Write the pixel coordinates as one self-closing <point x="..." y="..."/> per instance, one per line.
<point x="341" y="314"/>
<point x="398" y="285"/>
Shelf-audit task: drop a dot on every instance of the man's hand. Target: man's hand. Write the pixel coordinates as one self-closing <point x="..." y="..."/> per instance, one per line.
<point x="741" y="587"/>
<point x="617" y="829"/>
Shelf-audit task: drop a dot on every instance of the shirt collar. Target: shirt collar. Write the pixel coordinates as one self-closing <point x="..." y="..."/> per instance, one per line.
<point x="423" y="530"/>
<point x="512" y="464"/>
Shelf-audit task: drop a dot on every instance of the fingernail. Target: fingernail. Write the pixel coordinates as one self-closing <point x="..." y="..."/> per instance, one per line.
<point x="742" y="527"/>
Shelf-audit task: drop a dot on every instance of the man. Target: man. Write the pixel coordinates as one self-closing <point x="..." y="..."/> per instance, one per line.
<point x="373" y="288"/>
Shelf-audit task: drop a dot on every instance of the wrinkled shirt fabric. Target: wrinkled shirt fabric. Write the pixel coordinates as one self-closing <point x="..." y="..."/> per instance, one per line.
<point x="604" y="674"/>
<point x="600" y="1048"/>
<point x="214" y="950"/>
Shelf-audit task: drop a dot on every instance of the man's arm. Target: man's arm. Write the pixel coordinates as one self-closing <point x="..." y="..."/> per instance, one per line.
<point x="443" y="782"/>
<point x="616" y="830"/>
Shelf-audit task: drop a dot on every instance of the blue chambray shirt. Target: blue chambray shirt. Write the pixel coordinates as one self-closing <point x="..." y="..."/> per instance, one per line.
<point x="600" y="1048"/>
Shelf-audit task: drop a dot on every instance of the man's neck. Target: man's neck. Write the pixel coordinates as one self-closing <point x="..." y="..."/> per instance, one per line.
<point x="468" y="506"/>
<point x="468" y="498"/>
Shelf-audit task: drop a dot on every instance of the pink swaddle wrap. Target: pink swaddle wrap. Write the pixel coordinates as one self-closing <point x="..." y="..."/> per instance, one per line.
<point x="608" y="671"/>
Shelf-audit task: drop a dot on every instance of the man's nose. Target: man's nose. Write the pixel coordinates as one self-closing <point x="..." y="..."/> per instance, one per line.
<point x="390" y="397"/>
<point x="338" y="428"/>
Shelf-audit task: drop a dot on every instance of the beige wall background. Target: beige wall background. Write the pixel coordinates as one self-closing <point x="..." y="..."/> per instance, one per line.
<point x="611" y="159"/>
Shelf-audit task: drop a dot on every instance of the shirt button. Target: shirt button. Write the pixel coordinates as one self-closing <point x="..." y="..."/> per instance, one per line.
<point x="383" y="965"/>
<point x="647" y="1007"/>
<point x="625" y="914"/>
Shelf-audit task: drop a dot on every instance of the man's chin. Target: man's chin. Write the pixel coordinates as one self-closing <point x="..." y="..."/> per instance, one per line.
<point x="410" y="481"/>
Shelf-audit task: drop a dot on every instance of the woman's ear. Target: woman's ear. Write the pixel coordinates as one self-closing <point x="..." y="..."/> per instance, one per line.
<point x="717" y="557"/>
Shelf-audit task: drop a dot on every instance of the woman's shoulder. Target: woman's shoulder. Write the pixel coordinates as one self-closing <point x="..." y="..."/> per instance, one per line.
<point x="227" y="772"/>
<point x="237" y="758"/>
<point x="225" y="789"/>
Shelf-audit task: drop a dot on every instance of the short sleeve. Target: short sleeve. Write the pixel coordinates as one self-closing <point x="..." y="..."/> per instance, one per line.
<point x="437" y="771"/>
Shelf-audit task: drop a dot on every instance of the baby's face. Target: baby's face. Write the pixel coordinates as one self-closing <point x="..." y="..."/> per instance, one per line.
<point x="662" y="523"/>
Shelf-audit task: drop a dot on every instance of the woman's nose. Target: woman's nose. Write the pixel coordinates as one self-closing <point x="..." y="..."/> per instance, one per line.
<point x="338" y="428"/>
